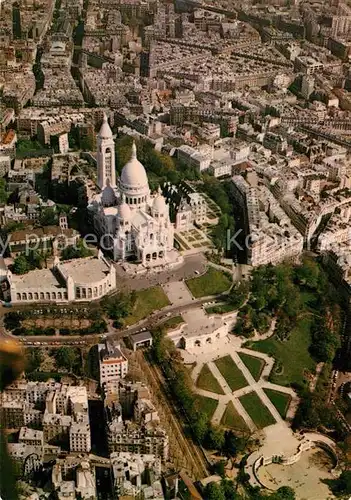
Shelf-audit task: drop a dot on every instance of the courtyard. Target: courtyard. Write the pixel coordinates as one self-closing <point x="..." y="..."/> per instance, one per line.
<point x="305" y="476"/>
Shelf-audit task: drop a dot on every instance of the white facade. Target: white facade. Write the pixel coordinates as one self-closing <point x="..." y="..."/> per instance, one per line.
<point x="79" y="437"/>
<point x="63" y="143"/>
<point x="79" y="280"/>
<point x="113" y="365"/>
<point x="199" y="159"/>
<point x="106" y="157"/>
<point x="131" y="221"/>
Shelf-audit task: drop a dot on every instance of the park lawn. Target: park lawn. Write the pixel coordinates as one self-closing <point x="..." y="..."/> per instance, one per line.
<point x="206" y="405"/>
<point x="147" y="301"/>
<point x="232" y="374"/>
<point x="281" y="400"/>
<point x="213" y="282"/>
<point x="173" y="323"/>
<point x="258" y="412"/>
<point x="232" y="420"/>
<point x="253" y="364"/>
<point x="207" y="381"/>
<point x="292" y="355"/>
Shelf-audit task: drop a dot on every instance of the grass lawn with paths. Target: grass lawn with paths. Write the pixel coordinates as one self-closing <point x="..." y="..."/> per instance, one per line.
<point x="258" y="412"/>
<point x="253" y="364"/>
<point x="281" y="400"/>
<point x="213" y="282"/>
<point x="207" y="381"/>
<point x="232" y="374"/>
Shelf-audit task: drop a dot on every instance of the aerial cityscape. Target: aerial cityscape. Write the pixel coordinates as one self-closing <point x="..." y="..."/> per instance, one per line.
<point x="175" y="249"/>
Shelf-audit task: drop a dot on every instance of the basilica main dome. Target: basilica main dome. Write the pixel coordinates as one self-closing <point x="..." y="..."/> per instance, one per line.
<point x="133" y="173"/>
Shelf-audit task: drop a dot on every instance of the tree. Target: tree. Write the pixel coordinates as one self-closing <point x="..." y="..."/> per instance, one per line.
<point x="213" y="491"/>
<point x="284" y="493"/>
<point x="20" y="265"/>
<point x="342" y="485"/>
<point x="48" y="217"/>
<point x="66" y="358"/>
<point x="324" y="342"/>
<point x="3" y="193"/>
<point x="200" y="426"/>
<point x="35" y="260"/>
<point x="308" y="273"/>
<point x="214" y="438"/>
<point x="34" y="358"/>
<point x="76" y="252"/>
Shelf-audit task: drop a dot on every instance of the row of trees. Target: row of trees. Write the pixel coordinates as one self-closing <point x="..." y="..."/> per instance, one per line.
<point x="13" y="319"/>
<point x="210" y="436"/>
<point x="225" y="490"/>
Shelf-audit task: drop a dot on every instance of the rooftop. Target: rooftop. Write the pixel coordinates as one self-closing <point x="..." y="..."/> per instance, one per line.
<point x="85" y="271"/>
<point x="36" y="279"/>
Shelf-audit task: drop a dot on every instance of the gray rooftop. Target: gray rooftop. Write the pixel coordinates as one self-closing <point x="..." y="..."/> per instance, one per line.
<point x="141" y="337"/>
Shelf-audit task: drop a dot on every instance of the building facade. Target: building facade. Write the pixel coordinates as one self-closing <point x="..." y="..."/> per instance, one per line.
<point x="70" y="281"/>
<point x="113" y="365"/>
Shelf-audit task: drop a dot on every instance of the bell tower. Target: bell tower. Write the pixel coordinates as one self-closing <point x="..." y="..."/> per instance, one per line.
<point x="106" y="156"/>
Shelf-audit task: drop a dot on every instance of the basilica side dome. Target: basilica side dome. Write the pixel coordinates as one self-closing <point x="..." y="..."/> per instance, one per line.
<point x="159" y="204"/>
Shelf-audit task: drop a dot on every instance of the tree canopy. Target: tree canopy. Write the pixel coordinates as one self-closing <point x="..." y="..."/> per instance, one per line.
<point x="76" y="251"/>
<point x="3" y="193"/>
<point x="67" y="358"/>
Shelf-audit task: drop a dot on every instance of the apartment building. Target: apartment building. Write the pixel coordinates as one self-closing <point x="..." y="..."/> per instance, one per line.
<point x="113" y="364"/>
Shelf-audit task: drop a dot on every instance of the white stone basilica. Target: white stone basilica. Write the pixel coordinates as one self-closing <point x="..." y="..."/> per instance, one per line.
<point x="127" y="218"/>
